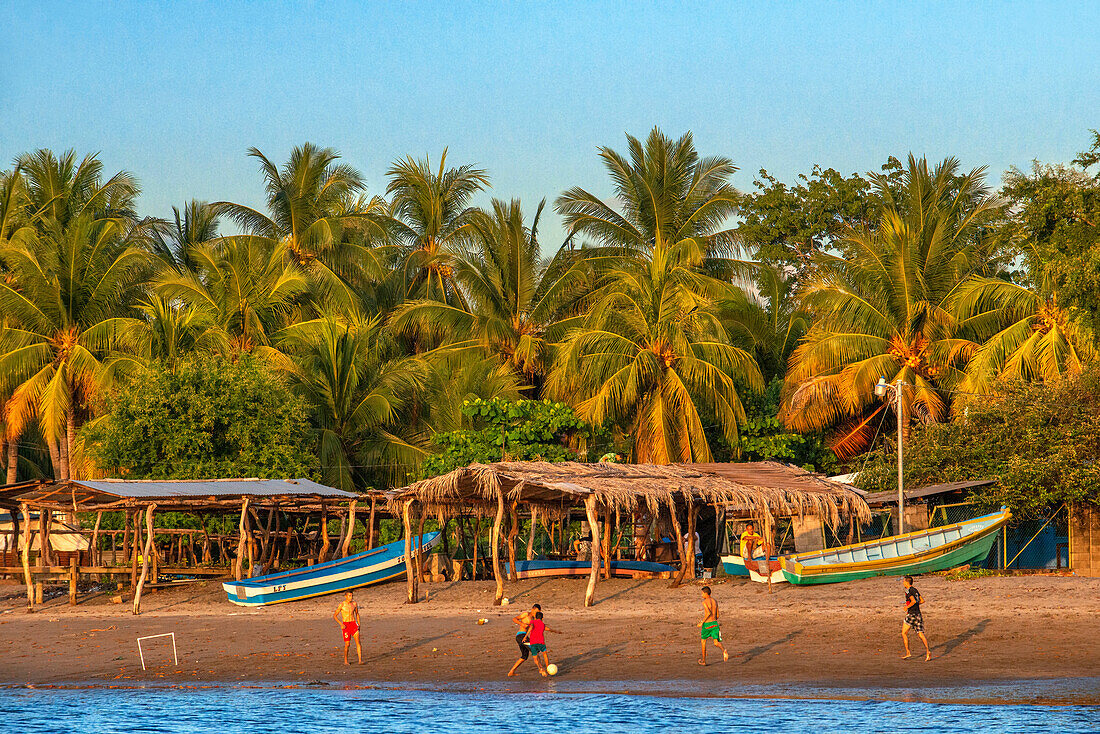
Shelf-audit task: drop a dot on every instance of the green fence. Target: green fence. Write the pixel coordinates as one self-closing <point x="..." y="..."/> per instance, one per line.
<point x="1042" y="543"/>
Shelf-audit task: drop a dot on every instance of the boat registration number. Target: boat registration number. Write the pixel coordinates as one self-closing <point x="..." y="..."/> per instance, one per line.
<point x="280" y="587"/>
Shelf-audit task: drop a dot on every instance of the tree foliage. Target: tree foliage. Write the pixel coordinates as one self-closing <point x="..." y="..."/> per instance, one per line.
<point x="512" y="430"/>
<point x="207" y="418"/>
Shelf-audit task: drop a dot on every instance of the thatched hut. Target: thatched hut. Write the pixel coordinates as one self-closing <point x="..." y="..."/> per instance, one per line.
<point x="765" y="490"/>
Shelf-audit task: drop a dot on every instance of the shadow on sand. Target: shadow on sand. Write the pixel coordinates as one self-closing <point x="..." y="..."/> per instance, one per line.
<point x="948" y="647"/>
<point x="756" y="651"/>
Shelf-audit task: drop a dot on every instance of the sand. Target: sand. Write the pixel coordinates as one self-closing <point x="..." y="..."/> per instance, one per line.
<point x="985" y="629"/>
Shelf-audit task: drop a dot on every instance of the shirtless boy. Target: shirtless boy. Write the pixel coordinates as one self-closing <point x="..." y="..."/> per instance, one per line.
<point x="914" y="620"/>
<point x="709" y="626"/>
<point x="347" y="616"/>
<point x="524" y="621"/>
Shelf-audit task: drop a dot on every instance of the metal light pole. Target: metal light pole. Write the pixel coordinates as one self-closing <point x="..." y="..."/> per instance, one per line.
<point x="881" y="389"/>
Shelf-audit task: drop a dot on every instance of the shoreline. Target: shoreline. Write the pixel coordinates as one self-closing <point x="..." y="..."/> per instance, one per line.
<point x="840" y="641"/>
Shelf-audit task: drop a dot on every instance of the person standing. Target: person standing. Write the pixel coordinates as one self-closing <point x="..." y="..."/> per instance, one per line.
<point x="709" y="629"/>
<point x="914" y="620"/>
<point x="536" y="640"/>
<point x="524" y="621"/>
<point x="347" y="616"/>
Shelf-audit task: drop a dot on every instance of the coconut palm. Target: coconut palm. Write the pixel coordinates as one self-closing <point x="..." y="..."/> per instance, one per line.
<point x="1023" y="335"/>
<point x="59" y="190"/>
<point x="318" y="217"/>
<point x="66" y="290"/>
<point x="193" y="225"/>
<point x="517" y="299"/>
<point x="245" y="286"/>
<point x="432" y="219"/>
<point x="351" y="373"/>
<point x="884" y="310"/>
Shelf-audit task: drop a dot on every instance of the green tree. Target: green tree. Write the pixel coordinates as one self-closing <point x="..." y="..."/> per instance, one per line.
<point x="207" y="418"/>
<point x="505" y="430"/>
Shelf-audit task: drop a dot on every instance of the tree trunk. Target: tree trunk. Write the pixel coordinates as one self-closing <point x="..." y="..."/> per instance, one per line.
<point x="13" y="459"/>
<point x="135" y="541"/>
<point x="97" y="557"/>
<point x="679" y="538"/>
<point x="322" y="555"/>
<point x="370" y="531"/>
<point x="27" y="556"/>
<point x="55" y="458"/>
<point x="513" y="533"/>
<point x="593" y="522"/>
<point x="145" y="557"/>
<point x="346" y="545"/>
<point x="498" y="574"/>
<point x="70" y="439"/>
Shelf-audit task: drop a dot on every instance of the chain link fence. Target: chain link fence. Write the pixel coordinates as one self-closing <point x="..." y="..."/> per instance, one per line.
<point x="1027" y="544"/>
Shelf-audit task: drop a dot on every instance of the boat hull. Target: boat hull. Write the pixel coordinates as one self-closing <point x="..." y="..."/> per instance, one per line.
<point x="735" y="566"/>
<point x="363" y="569"/>
<point x="974" y="542"/>
<point x="620" y="569"/>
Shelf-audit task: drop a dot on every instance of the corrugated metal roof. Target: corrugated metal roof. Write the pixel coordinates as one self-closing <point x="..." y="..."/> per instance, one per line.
<point x="929" y="491"/>
<point x="152" y="489"/>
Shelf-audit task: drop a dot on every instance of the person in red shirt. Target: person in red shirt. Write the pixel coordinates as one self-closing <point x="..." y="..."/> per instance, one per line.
<point x="536" y="640"/>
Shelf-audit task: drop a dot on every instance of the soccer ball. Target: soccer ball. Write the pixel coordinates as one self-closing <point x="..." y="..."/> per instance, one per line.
<point x="552" y="669"/>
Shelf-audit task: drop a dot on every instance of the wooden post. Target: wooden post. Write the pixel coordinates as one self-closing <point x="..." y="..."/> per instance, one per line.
<point x="531" y="534"/>
<point x="679" y="577"/>
<point x="421" y="517"/>
<point x="145" y="557"/>
<point x="593" y="522"/>
<point x="346" y="545"/>
<point x="73" y="573"/>
<point x="322" y="556"/>
<point x="97" y="556"/>
<point x="605" y="546"/>
<point x="477" y="539"/>
<point x="411" y="587"/>
<point x="43" y="538"/>
<point x="513" y="532"/>
<point x="155" y="555"/>
<point x="135" y="540"/>
<point x="238" y="564"/>
<point x="27" y="556"/>
<point x="125" y="537"/>
<point x="370" y="531"/>
<point x="498" y="576"/>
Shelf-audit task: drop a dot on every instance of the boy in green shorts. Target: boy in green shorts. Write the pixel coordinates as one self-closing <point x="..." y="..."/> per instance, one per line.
<point x="709" y="626"/>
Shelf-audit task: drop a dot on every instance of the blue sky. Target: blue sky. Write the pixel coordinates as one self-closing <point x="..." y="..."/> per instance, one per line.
<point x="176" y="92"/>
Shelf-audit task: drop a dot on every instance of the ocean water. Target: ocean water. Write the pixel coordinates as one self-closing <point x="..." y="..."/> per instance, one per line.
<point x="229" y="710"/>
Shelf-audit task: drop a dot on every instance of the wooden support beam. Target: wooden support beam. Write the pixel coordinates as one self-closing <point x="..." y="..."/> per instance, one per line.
<point x="531" y="534"/>
<point x="97" y="557"/>
<point x="74" y="565"/>
<point x="345" y="547"/>
<point x="513" y="532"/>
<point x="237" y="565"/>
<point x="498" y="574"/>
<point x="135" y="540"/>
<point x="421" y="517"/>
<point x="411" y="587"/>
<point x="145" y="557"/>
<point x="322" y="556"/>
<point x="593" y="522"/>
<point x="679" y="538"/>
<point x="27" y="556"/>
<point x="370" y="531"/>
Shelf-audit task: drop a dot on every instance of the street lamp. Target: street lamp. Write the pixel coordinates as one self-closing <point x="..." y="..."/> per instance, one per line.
<point x="882" y="387"/>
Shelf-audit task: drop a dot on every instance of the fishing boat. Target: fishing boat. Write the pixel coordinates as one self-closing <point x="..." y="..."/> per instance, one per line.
<point x="735" y="566"/>
<point x="363" y="569"/>
<point x="921" y="551"/>
<point x="540" y="568"/>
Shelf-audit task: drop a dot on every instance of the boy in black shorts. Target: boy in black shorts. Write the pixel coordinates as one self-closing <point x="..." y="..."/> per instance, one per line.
<point x="913" y="619"/>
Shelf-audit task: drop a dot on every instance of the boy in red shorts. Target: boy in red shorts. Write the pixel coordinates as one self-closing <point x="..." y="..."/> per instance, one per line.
<point x="347" y="615"/>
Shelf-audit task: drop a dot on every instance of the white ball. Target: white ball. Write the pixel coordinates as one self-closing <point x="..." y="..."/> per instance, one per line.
<point x="552" y="669"/>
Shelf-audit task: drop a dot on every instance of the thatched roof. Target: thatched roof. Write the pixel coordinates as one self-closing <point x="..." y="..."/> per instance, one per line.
<point x="762" y="489"/>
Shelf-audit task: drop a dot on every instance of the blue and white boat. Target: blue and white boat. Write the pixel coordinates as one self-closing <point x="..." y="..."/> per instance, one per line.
<point x="542" y="567"/>
<point x="363" y="569"/>
<point x="735" y="566"/>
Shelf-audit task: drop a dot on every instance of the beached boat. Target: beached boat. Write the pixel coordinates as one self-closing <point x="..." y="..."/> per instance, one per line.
<point x="921" y="551"/>
<point x="623" y="569"/>
<point x="735" y="566"/>
<point x="363" y="569"/>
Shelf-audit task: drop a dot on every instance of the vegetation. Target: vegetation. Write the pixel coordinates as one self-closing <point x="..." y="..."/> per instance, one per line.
<point x="369" y="339"/>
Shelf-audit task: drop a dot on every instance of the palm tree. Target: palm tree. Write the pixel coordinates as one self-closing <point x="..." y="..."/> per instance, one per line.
<point x="246" y="286"/>
<point x="884" y="309"/>
<point x="317" y="217"/>
<point x="359" y="386"/>
<point x="670" y="198"/>
<point x="60" y="190"/>
<point x="66" y="290"/>
<point x="194" y="225"/>
<point x="517" y="299"/>
<point x="1022" y="335"/>
<point x="432" y="218"/>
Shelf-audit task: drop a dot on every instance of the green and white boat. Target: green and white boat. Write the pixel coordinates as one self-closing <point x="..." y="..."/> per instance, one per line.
<point x="921" y="551"/>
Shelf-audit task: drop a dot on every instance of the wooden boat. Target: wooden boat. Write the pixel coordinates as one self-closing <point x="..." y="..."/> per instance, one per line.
<point x="363" y="569"/>
<point x="921" y="551"/>
<point x="735" y="566"/>
<point x="624" y="569"/>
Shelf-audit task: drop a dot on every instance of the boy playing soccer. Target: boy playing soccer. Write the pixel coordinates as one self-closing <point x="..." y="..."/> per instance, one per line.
<point x="709" y="626"/>
<point x="536" y="640"/>
<point x="914" y="620"/>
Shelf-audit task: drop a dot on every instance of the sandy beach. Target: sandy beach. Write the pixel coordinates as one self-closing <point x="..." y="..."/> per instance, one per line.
<point x="985" y="629"/>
